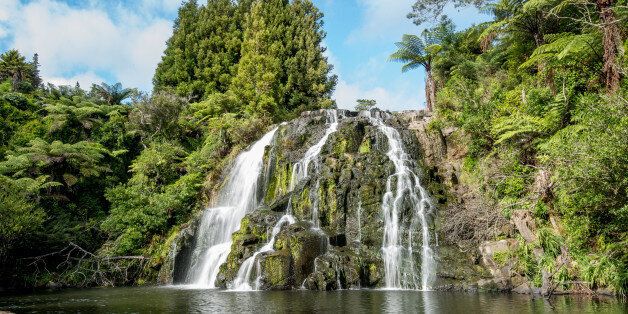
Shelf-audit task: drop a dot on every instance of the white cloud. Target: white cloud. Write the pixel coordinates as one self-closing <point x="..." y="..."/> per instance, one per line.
<point x="383" y="18"/>
<point x="7" y="9"/>
<point x="85" y="79"/>
<point x="402" y="97"/>
<point x="80" y="42"/>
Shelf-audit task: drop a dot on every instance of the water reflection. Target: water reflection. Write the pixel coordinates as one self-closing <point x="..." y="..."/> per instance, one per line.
<point x="125" y="300"/>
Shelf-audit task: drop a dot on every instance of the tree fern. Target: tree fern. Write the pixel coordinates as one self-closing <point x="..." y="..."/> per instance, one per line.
<point x="564" y="47"/>
<point x="40" y="159"/>
<point x="526" y="126"/>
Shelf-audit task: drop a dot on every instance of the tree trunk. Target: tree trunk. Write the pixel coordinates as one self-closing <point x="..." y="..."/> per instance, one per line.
<point x="611" y="38"/>
<point x="430" y="90"/>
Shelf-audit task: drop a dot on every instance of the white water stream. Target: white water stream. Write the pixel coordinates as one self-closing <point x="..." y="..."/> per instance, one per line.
<point x="243" y="280"/>
<point x="238" y="196"/>
<point x="403" y="191"/>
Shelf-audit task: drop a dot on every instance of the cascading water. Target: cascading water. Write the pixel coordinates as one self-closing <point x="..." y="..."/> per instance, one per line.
<point x="300" y="169"/>
<point x="299" y="172"/>
<point x="404" y="190"/>
<point x="237" y="197"/>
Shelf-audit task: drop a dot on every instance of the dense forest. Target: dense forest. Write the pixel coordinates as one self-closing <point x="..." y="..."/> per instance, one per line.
<point x="95" y="183"/>
<point x="541" y="93"/>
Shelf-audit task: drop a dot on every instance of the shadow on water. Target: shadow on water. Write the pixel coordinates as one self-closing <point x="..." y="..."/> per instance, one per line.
<point x="161" y="299"/>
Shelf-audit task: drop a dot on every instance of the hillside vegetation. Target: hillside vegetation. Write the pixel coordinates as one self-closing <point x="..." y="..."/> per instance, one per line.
<point x="95" y="182"/>
<point x="541" y="94"/>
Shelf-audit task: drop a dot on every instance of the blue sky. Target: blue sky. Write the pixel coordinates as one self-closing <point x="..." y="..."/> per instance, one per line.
<point x="90" y="41"/>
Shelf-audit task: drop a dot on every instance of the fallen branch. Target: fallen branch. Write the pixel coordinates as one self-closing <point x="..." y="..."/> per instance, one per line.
<point x="78" y="267"/>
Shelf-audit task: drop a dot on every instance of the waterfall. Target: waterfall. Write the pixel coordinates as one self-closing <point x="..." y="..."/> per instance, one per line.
<point x="237" y="197"/>
<point x="403" y="191"/>
<point x="299" y="172"/>
<point x="300" y="169"/>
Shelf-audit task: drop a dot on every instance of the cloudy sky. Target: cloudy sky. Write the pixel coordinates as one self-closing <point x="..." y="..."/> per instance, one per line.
<point x="91" y="41"/>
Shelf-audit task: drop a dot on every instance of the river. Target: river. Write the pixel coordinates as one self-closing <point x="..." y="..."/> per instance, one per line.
<point x="178" y="300"/>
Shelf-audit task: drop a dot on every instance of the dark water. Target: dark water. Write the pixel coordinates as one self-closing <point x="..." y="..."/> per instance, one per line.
<point x="171" y="300"/>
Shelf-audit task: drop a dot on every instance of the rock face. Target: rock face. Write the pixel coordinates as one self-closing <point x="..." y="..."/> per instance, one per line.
<point x="336" y="240"/>
<point x="343" y="192"/>
<point x="478" y="247"/>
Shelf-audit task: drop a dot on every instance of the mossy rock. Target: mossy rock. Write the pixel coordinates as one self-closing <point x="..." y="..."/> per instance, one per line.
<point x="277" y="271"/>
<point x="253" y="233"/>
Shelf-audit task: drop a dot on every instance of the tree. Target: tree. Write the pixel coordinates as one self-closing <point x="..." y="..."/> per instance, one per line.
<point x="612" y="39"/>
<point x="308" y="83"/>
<point x="157" y="117"/>
<point x="66" y="164"/>
<point x="13" y="66"/>
<point x="35" y="76"/>
<point x="426" y="10"/>
<point x="365" y="104"/>
<point x="201" y="55"/>
<point x="610" y="26"/>
<point x="21" y="217"/>
<point x="112" y="94"/>
<point x="417" y="52"/>
<point x="258" y="83"/>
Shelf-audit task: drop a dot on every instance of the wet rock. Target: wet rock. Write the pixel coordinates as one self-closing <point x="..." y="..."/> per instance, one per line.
<point x="175" y="265"/>
<point x="277" y="270"/>
<point x="304" y="244"/>
<point x="254" y="232"/>
<point x="342" y="195"/>
<point x="338" y="269"/>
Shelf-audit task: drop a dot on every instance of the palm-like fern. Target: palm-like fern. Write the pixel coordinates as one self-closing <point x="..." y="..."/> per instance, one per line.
<point x="56" y="161"/>
<point x="112" y="94"/>
<point x="412" y="51"/>
<point x="565" y="47"/>
<point x="415" y="52"/>
<point x="522" y="126"/>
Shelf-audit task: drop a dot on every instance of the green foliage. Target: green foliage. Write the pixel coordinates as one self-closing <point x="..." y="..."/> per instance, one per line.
<point x="501" y="258"/>
<point x="549" y="241"/>
<point x="365" y="104"/>
<point x="201" y="55"/>
<point x="565" y="47"/>
<point x="590" y="159"/>
<point x="24" y="76"/>
<point x="62" y="163"/>
<point x="528" y="91"/>
<point x="266" y="54"/>
<point x="157" y="117"/>
<point x="112" y="94"/>
<point x="158" y="164"/>
<point x="119" y="179"/>
<point x="602" y="271"/>
<point x="21" y="217"/>
<point x="526" y="260"/>
<point x="157" y="197"/>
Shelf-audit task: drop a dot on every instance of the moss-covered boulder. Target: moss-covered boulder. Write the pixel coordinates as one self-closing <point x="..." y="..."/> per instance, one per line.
<point x="277" y="271"/>
<point x="344" y="268"/>
<point x="292" y="260"/>
<point x="254" y="232"/>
